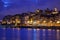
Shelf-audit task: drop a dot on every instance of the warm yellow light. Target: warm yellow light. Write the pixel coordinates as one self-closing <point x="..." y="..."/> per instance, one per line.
<point x="31" y="20"/>
<point x="58" y="21"/>
<point x="34" y="22"/>
<point x="50" y="21"/>
<point x="54" y="12"/>
<point x="18" y="21"/>
<point x="38" y="22"/>
<point x="28" y="21"/>
<point x="44" y="21"/>
<point x="37" y="10"/>
<point x="13" y="21"/>
<point x="3" y="22"/>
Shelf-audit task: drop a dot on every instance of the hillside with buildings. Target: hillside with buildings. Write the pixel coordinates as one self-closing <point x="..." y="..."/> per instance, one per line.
<point x="38" y="18"/>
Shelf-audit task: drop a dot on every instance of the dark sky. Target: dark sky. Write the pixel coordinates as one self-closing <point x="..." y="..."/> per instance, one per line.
<point x="11" y="7"/>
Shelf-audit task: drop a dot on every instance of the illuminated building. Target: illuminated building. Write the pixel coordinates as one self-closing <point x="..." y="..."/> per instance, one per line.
<point x="4" y="22"/>
<point x="55" y="11"/>
<point x="37" y="18"/>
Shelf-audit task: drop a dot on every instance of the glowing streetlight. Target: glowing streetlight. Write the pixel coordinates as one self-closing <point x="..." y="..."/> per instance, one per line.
<point x="58" y="21"/>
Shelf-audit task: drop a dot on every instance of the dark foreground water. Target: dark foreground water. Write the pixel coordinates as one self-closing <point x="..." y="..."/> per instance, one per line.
<point x="29" y="34"/>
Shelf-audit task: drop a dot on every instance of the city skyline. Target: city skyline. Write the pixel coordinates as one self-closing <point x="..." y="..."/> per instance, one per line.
<point x="38" y="18"/>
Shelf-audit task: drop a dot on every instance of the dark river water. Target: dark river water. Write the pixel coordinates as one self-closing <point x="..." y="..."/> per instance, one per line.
<point x="29" y="34"/>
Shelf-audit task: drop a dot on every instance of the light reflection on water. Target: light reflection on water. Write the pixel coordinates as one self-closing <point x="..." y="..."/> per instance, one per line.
<point x="34" y="34"/>
<point x="29" y="34"/>
<point x="46" y="34"/>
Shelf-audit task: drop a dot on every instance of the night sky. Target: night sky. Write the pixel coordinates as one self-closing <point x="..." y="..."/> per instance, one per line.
<point x="11" y="7"/>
